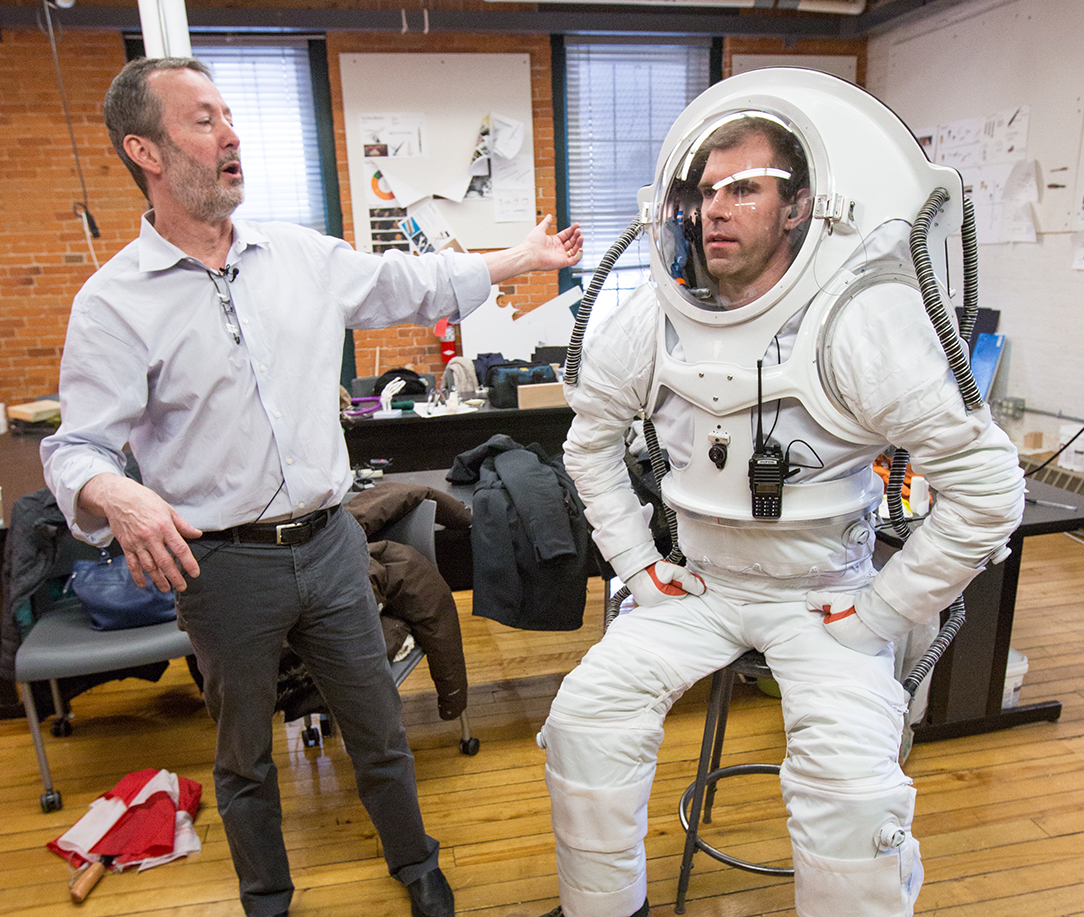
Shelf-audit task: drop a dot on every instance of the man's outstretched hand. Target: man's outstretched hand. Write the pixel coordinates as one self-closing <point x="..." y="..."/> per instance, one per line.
<point x="541" y="250"/>
<point x="555" y="250"/>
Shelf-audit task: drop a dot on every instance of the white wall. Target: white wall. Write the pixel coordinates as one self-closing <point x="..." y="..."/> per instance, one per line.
<point x="974" y="60"/>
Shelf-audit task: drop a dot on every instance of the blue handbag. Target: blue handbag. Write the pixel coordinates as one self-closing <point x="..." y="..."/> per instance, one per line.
<point x="113" y="600"/>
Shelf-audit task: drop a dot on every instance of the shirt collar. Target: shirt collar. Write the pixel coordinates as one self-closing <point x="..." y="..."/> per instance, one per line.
<point x="157" y="254"/>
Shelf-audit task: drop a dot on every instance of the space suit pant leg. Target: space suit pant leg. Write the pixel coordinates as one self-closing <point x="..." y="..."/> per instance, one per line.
<point x="601" y="739"/>
<point x="849" y="803"/>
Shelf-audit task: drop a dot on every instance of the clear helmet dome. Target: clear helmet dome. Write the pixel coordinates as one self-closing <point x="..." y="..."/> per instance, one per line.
<point x="733" y="205"/>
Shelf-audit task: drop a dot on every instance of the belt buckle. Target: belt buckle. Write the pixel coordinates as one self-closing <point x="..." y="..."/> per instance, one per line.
<point x="286" y="527"/>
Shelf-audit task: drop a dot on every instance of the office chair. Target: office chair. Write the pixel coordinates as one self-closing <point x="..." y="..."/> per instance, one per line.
<point x="62" y="644"/>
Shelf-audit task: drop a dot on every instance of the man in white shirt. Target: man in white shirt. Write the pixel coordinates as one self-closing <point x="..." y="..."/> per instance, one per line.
<point x="213" y="348"/>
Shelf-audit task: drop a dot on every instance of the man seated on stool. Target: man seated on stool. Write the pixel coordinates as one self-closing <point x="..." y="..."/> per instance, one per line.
<point x="213" y="346"/>
<point x="793" y="580"/>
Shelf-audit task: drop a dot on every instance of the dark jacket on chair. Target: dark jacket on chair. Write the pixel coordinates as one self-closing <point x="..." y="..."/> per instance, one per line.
<point x="530" y="538"/>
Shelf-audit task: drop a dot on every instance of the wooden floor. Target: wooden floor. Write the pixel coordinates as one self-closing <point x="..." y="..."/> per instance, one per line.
<point x="1000" y="816"/>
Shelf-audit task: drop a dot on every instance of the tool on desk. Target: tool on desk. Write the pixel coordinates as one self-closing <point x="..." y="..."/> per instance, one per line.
<point x="1050" y="503"/>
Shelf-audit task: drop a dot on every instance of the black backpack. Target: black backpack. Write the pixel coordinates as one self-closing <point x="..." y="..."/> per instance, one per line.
<point x="504" y="379"/>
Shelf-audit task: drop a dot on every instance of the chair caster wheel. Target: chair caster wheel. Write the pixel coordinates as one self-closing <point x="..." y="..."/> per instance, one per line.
<point x="310" y="737"/>
<point x="61" y="729"/>
<point x="469" y="746"/>
<point x="51" y="802"/>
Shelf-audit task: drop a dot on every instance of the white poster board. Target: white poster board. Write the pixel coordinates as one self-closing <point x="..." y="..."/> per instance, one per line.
<point x="419" y="116"/>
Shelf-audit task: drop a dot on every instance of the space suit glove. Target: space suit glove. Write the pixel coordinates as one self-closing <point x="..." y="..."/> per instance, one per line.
<point x="862" y="621"/>
<point x="663" y="580"/>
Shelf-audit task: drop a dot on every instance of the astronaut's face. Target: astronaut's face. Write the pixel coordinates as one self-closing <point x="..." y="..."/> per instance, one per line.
<point x="744" y="220"/>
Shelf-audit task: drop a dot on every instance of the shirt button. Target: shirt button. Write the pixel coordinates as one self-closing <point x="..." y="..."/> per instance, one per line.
<point x="289" y="461"/>
<point x="263" y="368"/>
<point x="278" y="414"/>
<point x="244" y="321"/>
<point x="301" y="505"/>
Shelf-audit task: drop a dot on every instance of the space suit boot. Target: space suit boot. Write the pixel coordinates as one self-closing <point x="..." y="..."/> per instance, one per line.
<point x="642" y="912"/>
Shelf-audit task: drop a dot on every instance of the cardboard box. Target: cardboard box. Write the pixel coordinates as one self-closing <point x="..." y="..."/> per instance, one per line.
<point x="542" y="395"/>
<point x="35" y="411"/>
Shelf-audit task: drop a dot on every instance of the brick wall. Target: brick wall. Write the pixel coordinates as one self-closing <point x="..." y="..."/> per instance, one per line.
<point x="44" y="257"/>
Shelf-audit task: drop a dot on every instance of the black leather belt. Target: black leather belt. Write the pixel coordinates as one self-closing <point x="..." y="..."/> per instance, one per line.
<point x="290" y="532"/>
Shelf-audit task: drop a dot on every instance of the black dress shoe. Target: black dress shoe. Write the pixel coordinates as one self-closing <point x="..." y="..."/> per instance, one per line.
<point x="431" y="896"/>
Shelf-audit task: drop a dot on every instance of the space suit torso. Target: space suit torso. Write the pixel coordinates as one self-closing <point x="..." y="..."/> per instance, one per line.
<point x="708" y="399"/>
<point x="888" y="382"/>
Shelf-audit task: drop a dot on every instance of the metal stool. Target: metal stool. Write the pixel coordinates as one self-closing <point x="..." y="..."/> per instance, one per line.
<point x="698" y="798"/>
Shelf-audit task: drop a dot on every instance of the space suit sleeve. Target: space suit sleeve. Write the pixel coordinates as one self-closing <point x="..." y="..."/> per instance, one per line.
<point x="892" y="372"/>
<point x="613" y="384"/>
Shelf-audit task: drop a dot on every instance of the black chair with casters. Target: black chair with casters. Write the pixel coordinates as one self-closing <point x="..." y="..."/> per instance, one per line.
<point x="415" y="529"/>
<point x="698" y="799"/>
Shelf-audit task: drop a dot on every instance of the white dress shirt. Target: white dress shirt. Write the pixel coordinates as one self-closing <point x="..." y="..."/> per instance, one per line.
<point x="229" y="431"/>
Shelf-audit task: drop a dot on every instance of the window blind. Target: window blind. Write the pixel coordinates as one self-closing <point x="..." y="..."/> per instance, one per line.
<point x="269" y="90"/>
<point x="621" y="101"/>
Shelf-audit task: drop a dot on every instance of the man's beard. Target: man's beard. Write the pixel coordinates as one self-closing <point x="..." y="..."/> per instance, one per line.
<point x="197" y="187"/>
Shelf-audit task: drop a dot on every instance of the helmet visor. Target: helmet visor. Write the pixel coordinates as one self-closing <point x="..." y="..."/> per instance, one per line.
<point x="734" y="209"/>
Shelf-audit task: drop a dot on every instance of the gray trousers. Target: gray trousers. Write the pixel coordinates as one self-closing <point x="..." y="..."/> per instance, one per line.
<point x="246" y="601"/>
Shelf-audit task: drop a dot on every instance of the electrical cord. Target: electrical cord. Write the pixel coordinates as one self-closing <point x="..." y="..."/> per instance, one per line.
<point x="86" y="216"/>
<point x="1055" y="455"/>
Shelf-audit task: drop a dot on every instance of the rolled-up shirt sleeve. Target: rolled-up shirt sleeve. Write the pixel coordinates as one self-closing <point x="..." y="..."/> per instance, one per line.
<point x="389" y="289"/>
<point x="103" y="391"/>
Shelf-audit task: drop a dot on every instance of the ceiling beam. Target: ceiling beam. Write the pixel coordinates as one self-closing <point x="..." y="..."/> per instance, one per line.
<point x="550" y="19"/>
<point x="890" y="13"/>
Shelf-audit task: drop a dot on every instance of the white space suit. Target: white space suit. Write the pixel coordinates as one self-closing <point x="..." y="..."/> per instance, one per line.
<point x="850" y="805"/>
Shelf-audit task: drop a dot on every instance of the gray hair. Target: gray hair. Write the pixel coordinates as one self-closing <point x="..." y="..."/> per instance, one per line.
<point x="131" y="107"/>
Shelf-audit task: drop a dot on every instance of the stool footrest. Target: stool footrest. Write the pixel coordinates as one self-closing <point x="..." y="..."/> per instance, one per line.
<point x="736" y="770"/>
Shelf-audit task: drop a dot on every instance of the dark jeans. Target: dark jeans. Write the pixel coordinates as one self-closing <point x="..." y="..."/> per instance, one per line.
<point x="246" y="601"/>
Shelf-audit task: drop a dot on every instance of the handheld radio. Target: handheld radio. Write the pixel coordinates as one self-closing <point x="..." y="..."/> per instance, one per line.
<point x="768" y="467"/>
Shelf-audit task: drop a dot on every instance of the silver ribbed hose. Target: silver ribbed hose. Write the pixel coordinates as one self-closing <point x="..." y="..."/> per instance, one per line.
<point x="961" y="369"/>
<point x="659" y="469"/>
<point x="583" y="314"/>
<point x="956" y="613"/>
<point x="971" y="271"/>
<point x="931" y="298"/>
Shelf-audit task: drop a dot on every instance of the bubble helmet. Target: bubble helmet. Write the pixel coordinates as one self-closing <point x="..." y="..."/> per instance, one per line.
<point x="862" y="168"/>
<point x="838" y="171"/>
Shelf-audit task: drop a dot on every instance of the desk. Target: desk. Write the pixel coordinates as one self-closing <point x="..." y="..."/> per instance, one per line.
<point x="967" y="685"/>
<point x="416" y="443"/>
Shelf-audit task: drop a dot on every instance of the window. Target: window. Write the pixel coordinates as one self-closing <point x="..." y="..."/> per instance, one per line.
<point x="621" y="101"/>
<point x="269" y="89"/>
